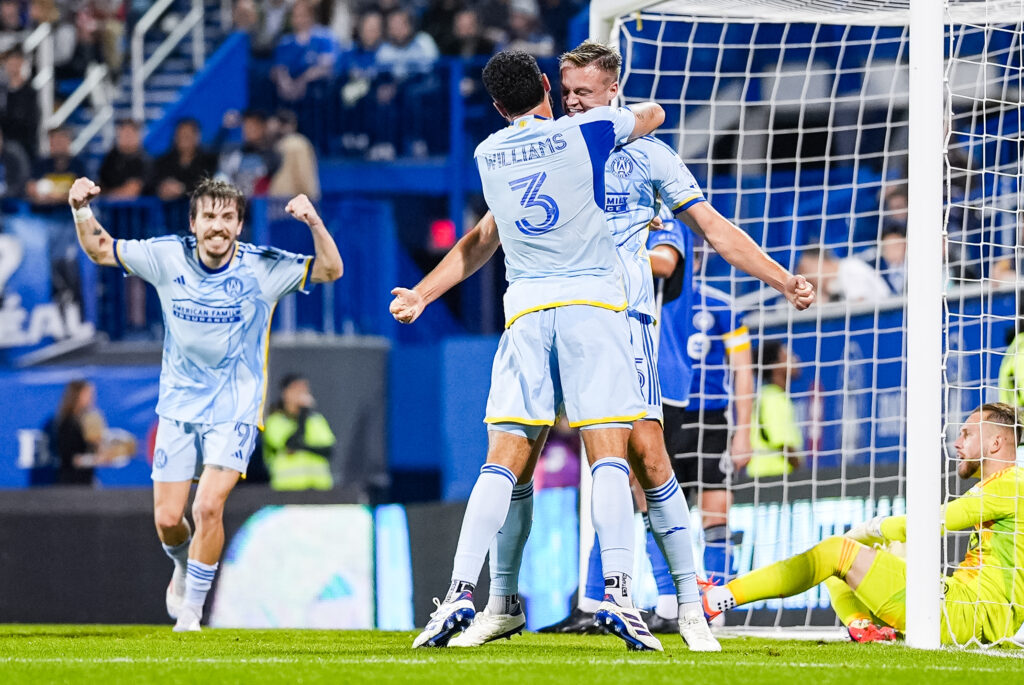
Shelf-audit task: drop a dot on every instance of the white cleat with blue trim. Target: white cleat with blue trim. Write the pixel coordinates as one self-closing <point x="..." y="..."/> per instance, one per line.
<point x="450" y="619"/>
<point x="487" y="627"/>
<point x="626" y="624"/>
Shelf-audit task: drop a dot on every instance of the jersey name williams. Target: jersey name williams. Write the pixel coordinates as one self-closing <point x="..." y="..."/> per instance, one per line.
<point x="544" y="148"/>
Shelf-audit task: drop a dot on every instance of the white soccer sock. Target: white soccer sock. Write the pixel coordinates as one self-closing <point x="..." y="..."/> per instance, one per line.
<point x="507" y="548"/>
<point x="588" y="605"/>
<point x="485" y="513"/>
<point x="197" y="585"/>
<point x="612" y="511"/>
<point x="670" y="523"/>
<point x="179" y="555"/>
<point x="667" y="607"/>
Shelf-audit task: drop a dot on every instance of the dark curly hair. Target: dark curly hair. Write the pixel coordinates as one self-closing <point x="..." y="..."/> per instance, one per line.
<point x="513" y="80"/>
<point x="217" y="191"/>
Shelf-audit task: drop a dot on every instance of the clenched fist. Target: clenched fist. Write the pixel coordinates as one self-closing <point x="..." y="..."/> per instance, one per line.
<point x="82" y="191"/>
<point x="799" y="292"/>
<point x="302" y="209"/>
<point x="407" y="305"/>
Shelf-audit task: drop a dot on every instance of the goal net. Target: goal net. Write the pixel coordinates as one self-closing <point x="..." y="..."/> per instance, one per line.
<point x="795" y="117"/>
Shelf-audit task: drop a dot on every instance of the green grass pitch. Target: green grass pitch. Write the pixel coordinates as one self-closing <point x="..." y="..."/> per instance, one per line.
<point x="138" y="654"/>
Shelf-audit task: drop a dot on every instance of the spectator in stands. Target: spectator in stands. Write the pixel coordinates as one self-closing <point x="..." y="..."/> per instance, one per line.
<point x="53" y="174"/>
<point x="297" y="440"/>
<point x="526" y="32"/>
<point x="272" y="25"/>
<point x="85" y="49"/>
<point x="1010" y="266"/>
<point x="851" y="279"/>
<point x="180" y="169"/>
<point x="77" y="433"/>
<point x="775" y="437"/>
<point x="298" y="171"/>
<point x="250" y="164"/>
<point x="12" y="25"/>
<point x="358" y="70"/>
<point x="406" y="50"/>
<point x="109" y="15"/>
<point x="305" y="57"/>
<point x="14" y="169"/>
<point x="127" y="170"/>
<point x="438" y="19"/>
<point x="466" y="38"/>
<point x="360" y="62"/>
<point x="892" y="258"/>
<point x="19" y="104"/>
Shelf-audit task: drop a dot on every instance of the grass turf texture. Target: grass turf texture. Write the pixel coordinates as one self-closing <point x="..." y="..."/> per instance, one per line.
<point x="134" y="654"/>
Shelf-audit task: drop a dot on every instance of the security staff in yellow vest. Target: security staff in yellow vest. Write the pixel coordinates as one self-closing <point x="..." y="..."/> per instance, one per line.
<point x="775" y="437"/>
<point x="297" y="441"/>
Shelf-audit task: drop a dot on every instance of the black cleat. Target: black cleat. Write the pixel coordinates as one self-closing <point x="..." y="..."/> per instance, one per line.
<point x="579" y="622"/>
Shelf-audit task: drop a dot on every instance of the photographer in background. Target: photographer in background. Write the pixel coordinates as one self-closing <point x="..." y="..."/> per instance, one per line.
<point x="297" y="441"/>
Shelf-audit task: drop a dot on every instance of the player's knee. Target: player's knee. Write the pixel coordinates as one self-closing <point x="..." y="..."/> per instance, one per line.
<point x="207" y="511"/>
<point x="167" y="518"/>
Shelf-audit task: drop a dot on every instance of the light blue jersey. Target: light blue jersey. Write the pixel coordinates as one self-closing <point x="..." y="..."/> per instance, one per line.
<point x="641" y="178"/>
<point x="544" y="182"/>
<point x="217" y="323"/>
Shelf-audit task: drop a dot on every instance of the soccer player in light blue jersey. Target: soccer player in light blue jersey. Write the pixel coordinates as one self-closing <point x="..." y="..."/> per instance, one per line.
<point x="566" y="337"/>
<point x="217" y="296"/>
<point x="637" y="183"/>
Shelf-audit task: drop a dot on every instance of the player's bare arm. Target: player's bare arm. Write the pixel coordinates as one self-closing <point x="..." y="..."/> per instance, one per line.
<point x="664" y="260"/>
<point x="649" y="116"/>
<point x="741" y="365"/>
<point x="93" y="238"/>
<point x="327" y="266"/>
<point x="462" y="261"/>
<point x="737" y="248"/>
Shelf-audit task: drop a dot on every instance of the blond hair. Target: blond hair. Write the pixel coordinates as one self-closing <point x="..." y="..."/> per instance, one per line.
<point x="604" y="57"/>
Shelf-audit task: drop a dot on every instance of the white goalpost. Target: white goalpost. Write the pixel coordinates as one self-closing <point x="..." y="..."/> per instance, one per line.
<point x="835" y="128"/>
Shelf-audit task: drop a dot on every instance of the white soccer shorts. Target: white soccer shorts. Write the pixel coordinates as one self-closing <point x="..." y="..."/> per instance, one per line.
<point x="182" y="449"/>
<point x="643" y="332"/>
<point x="576" y="354"/>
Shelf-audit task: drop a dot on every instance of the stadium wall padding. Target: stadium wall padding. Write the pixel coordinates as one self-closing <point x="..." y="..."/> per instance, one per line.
<point x="348" y="377"/>
<point x="222" y="85"/>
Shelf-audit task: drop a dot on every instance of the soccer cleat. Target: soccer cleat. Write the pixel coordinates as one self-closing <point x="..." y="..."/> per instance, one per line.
<point x="449" y="619"/>
<point x="188" y="619"/>
<point x="863" y="630"/>
<point x="697" y="635"/>
<point x="705" y="586"/>
<point x="487" y="627"/>
<point x="578" y="622"/>
<point x="175" y="595"/>
<point x="626" y="624"/>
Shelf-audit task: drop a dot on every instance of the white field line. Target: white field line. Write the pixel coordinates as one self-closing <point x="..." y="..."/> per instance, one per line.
<point x="429" y="661"/>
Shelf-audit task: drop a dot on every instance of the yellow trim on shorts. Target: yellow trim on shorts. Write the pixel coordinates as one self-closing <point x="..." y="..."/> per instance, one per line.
<point x="591" y="303"/>
<point x="520" y="420"/>
<point x="609" y="419"/>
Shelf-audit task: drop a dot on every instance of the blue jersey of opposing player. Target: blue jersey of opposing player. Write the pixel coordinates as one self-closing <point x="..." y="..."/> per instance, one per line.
<point x="217" y="323"/>
<point x="715" y="332"/>
<point x="544" y="181"/>
<point x="640" y="178"/>
<point x="674" y="368"/>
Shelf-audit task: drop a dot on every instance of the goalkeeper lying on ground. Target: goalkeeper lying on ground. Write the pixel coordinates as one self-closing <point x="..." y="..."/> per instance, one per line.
<point x="984" y="598"/>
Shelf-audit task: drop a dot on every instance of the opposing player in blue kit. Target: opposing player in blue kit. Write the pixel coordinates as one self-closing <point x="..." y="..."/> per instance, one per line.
<point x="639" y="178"/>
<point x="217" y="296"/>
<point x="566" y="338"/>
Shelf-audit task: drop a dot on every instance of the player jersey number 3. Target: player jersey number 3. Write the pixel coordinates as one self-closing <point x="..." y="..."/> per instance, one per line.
<point x="531" y="198"/>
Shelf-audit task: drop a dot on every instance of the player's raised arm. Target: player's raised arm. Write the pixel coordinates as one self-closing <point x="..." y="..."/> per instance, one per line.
<point x="649" y="116"/>
<point x="93" y="238"/>
<point x="462" y="261"/>
<point x="328" y="265"/>
<point x="737" y="248"/>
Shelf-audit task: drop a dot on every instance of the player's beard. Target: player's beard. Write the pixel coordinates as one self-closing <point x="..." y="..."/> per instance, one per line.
<point x="217" y="249"/>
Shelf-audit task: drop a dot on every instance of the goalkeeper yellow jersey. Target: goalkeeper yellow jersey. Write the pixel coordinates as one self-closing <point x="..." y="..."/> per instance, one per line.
<point x="985" y="595"/>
